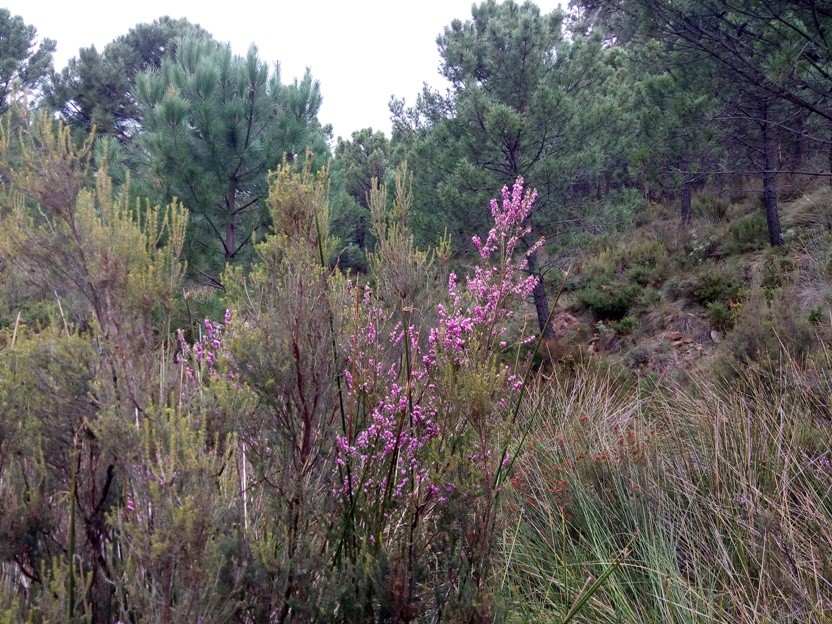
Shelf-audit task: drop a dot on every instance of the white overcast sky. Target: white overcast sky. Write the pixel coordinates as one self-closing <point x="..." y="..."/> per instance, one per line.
<point x="361" y="51"/>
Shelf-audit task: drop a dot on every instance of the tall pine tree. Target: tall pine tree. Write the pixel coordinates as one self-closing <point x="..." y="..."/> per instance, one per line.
<point x="215" y="124"/>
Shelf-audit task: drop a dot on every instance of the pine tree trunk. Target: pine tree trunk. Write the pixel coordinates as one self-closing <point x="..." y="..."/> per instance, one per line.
<point x="541" y="300"/>
<point x="830" y="153"/>
<point x="775" y="236"/>
<point x="230" y="242"/>
<point x="770" y="184"/>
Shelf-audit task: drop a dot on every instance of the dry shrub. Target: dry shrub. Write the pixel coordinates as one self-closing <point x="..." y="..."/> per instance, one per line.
<point x="812" y="211"/>
<point x="814" y="275"/>
<point x="672" y="316"/>
<point x="765" y="328"/>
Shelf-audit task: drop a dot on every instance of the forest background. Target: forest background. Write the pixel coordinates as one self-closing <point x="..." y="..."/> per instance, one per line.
<point x="249" y="374"/>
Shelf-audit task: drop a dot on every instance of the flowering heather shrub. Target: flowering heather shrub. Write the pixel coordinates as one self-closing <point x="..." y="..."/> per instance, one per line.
<point x="428" y="409"/>
<point x="203" y="358"/>
<point x="471" y="328"/>
<point x="426" y="421"/>
<point x="392" y="410"/>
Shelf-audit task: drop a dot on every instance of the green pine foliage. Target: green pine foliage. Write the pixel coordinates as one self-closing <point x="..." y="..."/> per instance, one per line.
<point x="96" y="90"/>
<point x="215" y="124"/>
<point x="22" y="68"/>
<point x="290" y="390"/>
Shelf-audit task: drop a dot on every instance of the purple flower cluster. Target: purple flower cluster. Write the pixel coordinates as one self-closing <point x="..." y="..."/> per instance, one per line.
<point x="508" y="227"/>
<point x="395" y="408"/>
<point x="398" y="427"/>
<point x="203" y="356"/>
<point x="490" y="289"/>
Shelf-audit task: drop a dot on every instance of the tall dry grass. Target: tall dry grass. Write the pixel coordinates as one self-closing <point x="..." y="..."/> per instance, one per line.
<point x="718" y="500"/>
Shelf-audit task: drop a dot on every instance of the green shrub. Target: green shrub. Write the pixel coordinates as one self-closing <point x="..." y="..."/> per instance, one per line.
<point x="646" y="251"/>
<point x="646" y="261"/>
<point x="711" y="207"/>
<point x="627" y="326"/>
<point x="602" y="264"/>
<point x="720" y="315"/>
<point x="642" y="275"/>
<point x="776" y="272"/>
<point x="712" y="285"/>
<point x="599" y="267"/>
<point x="33" y="314"/>
<point x="649" y="298"/>
<point x="747" y="234"/>
<point x="609" y="300"/>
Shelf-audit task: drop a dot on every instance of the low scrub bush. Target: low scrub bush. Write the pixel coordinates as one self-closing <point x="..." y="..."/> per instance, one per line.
<point x="720" y="315"/>
<point x="609" y="300"/>
<point x="710" y="207"/>
<point x="644" y="252"/>
<point x="627" y="326"/>
<point x="765" y="330"/>
<point x="746" y="234"/>
<point x="703" y="246"/>
<point x="713" y="285"/>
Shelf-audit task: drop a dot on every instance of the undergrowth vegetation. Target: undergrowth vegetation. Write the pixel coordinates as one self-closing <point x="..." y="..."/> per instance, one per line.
<point x="693" y="457"/>
<point x="715" y="503"/>
<point x="310" y="445"/>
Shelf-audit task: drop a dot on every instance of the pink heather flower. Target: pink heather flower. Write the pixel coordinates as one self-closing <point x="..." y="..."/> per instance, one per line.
<point x="402" y="400"/>
<point x="203" y="357"/>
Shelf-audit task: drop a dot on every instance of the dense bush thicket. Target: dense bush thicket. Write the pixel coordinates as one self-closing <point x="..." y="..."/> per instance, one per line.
<point x="283" y="402"/>
<point x="382" y="449"/>
<point x="315" y="454"/>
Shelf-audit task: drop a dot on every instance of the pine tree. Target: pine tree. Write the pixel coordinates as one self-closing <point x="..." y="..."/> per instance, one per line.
<point x="98" y="88"/>
<point x="519" y="104"/>
<point x="215" y="124"/>
<point x="21" y="67"/>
